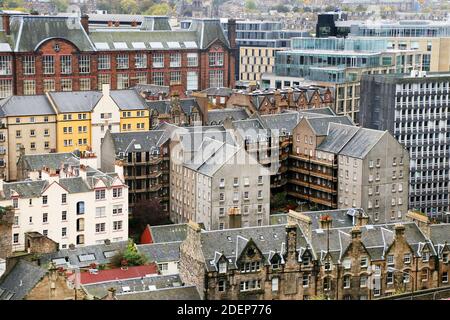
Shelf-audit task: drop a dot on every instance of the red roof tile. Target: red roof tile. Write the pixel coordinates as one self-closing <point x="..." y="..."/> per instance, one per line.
<point x="118" y="274"/>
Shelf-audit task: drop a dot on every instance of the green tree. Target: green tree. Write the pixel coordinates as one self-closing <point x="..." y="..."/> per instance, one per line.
<point x="161" y="9"/>
<point x="128" y="6"/>
<point x="250" y="5"/>
<point x="129" y="257"/>
<point x="144" y="5"/>
<point x="60" y="5"/>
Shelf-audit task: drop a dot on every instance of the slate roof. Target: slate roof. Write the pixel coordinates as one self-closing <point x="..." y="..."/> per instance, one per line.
<point x="193" y="139"/>
<point x="282" y="121"/>
<point x="208" y="31"/>
<point x="250" y="128"/>
<point x="100" y="290"/>
<point x="75" y="101"/>
<point x="176" y="293"/>
<point x="151" y="88"/>
<point x="161" y="252"/>
<point x="320" y="124"/>
<point x="68" y="256"/>
<point x="28" y="32"/>
<point x="218" y="116"/>
<point x="222" y="92"/>
<point x="164" y="106"/>
<point x="53" y="161"/>
<point x="222" y="155"/>
<point x="279" y="218"/>
<point x="231" y="242"/>
<point x="21" y="106"/>
<point x="440" y="236"/>
<point x="128" y="99"/>
<point x="20" y="280"/>
<point x="130" y="141"/>
<point x="156" y="23"/>
<point x="25" y="189"/>
<point x="338" y="136"/>
<point x="362" y="142"/>
<point x="327" y="111"/>
<point x="168" y="233"/>
<point x="340" y="217"/>
<point x="74" y="185"/>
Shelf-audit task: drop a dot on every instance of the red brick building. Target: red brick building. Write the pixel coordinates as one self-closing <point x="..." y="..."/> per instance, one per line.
<point x="48" y="53"/>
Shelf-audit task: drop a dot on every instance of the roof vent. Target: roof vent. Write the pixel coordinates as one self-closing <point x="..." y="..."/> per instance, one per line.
<point x="126" y="289"/>
<point x="319" y="231"/>
<point x="137" y="146"/>
<point x="152" y="287"/>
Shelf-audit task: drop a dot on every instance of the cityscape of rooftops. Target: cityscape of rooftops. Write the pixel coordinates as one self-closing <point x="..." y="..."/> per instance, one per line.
<point x="236" y="150"/>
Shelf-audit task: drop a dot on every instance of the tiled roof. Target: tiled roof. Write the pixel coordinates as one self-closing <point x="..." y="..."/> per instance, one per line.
<point x="118" y="274"/>
<point x="168" y="233"/>
<point x="175" y="293"/>
<point x="138" y="141"/>
<point x="161" y="252"/>
<point x="34" y="162"/>
<point x="20" y="106"/>
<point x="20" y="280"/>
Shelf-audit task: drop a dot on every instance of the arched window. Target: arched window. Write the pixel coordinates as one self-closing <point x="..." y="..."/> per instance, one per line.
<point x="80" y="239"/>
<point x="80" y="224"/>
<point x="80" y="207"/>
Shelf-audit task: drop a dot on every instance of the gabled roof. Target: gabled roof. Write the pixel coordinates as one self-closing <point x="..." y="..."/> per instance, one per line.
<point x="24" y="189"/>
<point x="53" y="161"/>
<point x="100" y="254"/>
<point x="20" y="106"/>
<point x="74" y="184"/>
<point x="174" y="293"/>
<point x="118" y="274"/>
<point x="137" y="141"/>
<point x="128" y="99"/>
<point x="338" y="136"/>
<point x="286" y="120"/>
<point x="320" y="124"/>
<point x="168" y="233"/>
<point x="218" y="116"/>
<point x="28" y="32"/>
<point x="231" y="242"/>
<point x="20" y="280"/>
<point x="208" y="31"/>
<point x="212" y="164"/>
<point x="362" y="142"/>
<point x="161" y="252"/>
<point x="75" y="101"/>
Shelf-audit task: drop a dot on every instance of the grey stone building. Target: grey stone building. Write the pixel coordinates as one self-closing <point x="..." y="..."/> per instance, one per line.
<point x="414" y="109"/>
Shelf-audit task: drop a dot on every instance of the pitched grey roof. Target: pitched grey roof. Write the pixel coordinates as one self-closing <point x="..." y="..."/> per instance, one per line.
<point x="74" y="185"/>
<point x="25" y="105"/>
<point x="231" y="242"/>
<point x="217" y="159"/>
<point x="362" y="142"/>
<point x="156" y="23"/>
<point x="161" y="252"/>
<point x="222" y="91"/>
<point x="28" y="32"/>
<point x="340" y="217"/>
<point x="35" y="162"/>
<point x="176" y="293"/>
<point x="282" y="121"/>
<point x="20" y="280"/>
<point x="25" y="189"/>
<point x="137" y="141"/>
<point x="68" y="256"/>
<point x="100" y="289"/>
<point x="208" y="31"/>
<point x="75" y="101"/>
<point x="320" y="124"/>
<point x="151" y="88"/>
<point x="327" y="111"/>
<point x="94" y="176"/>
<point x="168" y="233"/>
<point x="164" y="106"/>
<point x="218" y="116"/>
<point x="194" y="137"/>
<point x="110" y="38"/>
<point x="440" y="233"/>
<point x="338" y="136"/>
<point x="128" y="99"/>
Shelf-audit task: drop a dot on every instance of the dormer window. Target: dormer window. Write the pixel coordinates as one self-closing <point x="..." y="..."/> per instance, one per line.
<point x="327" y="265"/>
<point x="306" y="260"/>
<point x="445" y="257"/>
<point x="425" y="256"/>
<point x="223" y="267"/>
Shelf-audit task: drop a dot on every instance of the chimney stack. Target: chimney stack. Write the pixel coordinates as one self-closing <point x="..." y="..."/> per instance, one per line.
<point x="399" y="231"/>
<point x="85" y="22"/>
<point x="5" y="22"/>
<point x="291" y="243"/>
<point x="232" y="33"/>
<point x="325" y="222"/>
<point x="356" y="233"/>
<point x="111" y="294"/>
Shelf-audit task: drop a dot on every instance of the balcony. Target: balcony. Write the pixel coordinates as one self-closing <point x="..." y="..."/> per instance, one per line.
<point x="311" y="159"/>
<point x="310" y="198"/>
<point x="312" y="186"/>
<point x="314" y="173"/>
<point x="154" y="174"/>
<point x="278" y="183"/>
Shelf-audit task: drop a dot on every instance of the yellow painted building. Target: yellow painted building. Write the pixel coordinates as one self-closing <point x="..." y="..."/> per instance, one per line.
<point x="65" y="122"/>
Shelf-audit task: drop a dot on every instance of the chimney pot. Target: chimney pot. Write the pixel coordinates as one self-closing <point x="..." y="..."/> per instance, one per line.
<point x="85" y="22"/>
<point x="6" y="26"/>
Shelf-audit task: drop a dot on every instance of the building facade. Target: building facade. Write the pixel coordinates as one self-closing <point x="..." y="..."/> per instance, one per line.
<point x="414" y="108"/>
<point x="143" y="157"/>
<point x="290" y="262"/>
<point x="52" y="53"/>
<point x="79" y="210"/>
